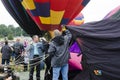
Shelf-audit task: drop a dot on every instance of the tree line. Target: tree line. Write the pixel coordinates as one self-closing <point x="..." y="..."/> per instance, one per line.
<point x="10" y="31"/>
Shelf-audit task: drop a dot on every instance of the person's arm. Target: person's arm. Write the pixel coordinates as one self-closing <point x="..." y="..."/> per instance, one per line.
<point x="1" y="50"/>
<point x="68" y="34"/>
<point x="22" y="48"/>
<point x="51" y="49"/>
<point x="10" y="49"/>
<point x="45" y="46"/>
<point x="13" y="47"/>
<point x="42" y="47"/>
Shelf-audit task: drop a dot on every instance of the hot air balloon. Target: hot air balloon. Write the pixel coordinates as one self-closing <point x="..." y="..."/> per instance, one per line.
<point x="98" y="41"/>
<point x="46" y="15"/>
<point x="51" y="14"/>
<point x="115" y="13"/>
<point x="78" y="20"/>
<point x="17" y="11"/>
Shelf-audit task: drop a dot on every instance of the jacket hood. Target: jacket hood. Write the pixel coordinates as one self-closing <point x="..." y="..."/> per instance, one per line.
<point x="58" y="40"/>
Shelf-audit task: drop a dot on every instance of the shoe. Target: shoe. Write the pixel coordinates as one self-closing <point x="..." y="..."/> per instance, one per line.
<point x="30" y="79"/>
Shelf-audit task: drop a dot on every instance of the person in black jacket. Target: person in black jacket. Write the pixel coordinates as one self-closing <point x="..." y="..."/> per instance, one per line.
<point x="19" y="51"/>
<point x="6" y="53"/>
<point x="59" y="50"/>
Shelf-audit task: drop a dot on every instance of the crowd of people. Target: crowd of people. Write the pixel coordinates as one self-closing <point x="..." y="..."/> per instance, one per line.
<point x="38" y="51"/>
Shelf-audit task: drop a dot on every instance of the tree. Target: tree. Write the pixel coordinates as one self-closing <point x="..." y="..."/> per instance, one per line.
<point x="1" y="36"/>
<point x="3" y="30"/>
<point x="10" y="29"/>
<point x="20" y="31"/>
<point x="10" y="37"/>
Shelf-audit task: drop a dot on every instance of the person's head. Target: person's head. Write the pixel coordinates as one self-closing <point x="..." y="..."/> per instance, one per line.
<point x="17" y="40"/>
<point x="35" y="38"/>
<point x="57" y="33"/>
<point x="6" y="42"/>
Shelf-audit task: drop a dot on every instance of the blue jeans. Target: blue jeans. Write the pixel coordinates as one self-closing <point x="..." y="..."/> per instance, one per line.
<point x="64" y="72"/>
<point x="7" y="61"/>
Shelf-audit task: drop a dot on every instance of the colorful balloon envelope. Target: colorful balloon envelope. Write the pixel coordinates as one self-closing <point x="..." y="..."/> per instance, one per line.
<point x="51" y="14"/>
<point x="78" y="20"/>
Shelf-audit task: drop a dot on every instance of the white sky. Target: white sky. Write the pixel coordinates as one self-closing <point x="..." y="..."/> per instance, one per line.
<point x="95" y="10"/>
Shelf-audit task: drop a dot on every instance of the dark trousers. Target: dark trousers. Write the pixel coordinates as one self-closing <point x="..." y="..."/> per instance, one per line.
<point x="35" y="63"/>
<point x="7" y="61"/>
<point x="25" y="66"/>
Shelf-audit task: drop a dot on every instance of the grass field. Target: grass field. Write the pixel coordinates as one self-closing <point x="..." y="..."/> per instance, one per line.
<point x="25" y="75"/>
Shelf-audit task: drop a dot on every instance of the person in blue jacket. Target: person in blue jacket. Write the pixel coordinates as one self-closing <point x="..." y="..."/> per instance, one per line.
<point x="36" y="53"/>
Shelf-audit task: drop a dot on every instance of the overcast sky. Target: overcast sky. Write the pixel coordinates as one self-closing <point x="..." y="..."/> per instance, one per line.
<point x="94" y="11"/>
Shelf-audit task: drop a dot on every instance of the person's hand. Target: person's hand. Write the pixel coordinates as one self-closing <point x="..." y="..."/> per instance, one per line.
<point x="63" y="28"/>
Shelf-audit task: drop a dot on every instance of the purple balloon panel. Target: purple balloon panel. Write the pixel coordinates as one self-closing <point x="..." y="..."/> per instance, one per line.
<point x="75" y="48"/>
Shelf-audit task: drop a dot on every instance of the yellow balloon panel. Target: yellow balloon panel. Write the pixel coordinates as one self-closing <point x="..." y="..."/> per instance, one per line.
<point x="78" y="21"/>
<point x="56" y="16"/>
<point x="54" y="19"/>
<point x="45" y="20"/>
<point x="24" y="5"/>
<point x="28" y="4"/>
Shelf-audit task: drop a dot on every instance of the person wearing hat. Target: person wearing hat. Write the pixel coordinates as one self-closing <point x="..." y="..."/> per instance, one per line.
<point x="59" y="50"/>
